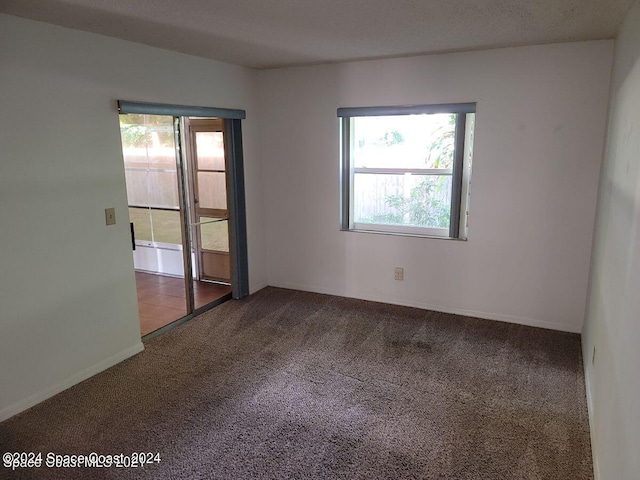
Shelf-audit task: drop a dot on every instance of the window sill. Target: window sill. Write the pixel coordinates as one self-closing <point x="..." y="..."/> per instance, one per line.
<point x="403" y="234"/>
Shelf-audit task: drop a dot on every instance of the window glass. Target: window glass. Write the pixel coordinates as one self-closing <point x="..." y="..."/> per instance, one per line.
<point x="148" y="147"/>
<point x="412" y="141"/>
<point x="416" y="200"/>
<point x="210" y="150"/>
<point x="407" y="173"/>
<point x="212" y="190"/>
<point x="214" y="234"/>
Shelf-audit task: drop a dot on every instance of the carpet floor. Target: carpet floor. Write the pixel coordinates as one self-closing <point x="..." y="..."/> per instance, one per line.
<point x="294" y="385"/>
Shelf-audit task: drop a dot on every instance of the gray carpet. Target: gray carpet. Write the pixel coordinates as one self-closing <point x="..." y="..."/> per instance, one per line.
<point x="288" y="384"/>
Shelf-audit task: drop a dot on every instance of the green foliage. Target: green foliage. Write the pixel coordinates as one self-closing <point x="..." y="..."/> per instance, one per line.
<point x="133" y="135"/>
<point x="421" y="208"/>
<point x="137" y="130"/>
<point x="393" y="137"/>
<point x="442" y="149"/>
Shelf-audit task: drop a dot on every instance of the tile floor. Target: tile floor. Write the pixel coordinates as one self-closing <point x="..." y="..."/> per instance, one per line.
<point x="162" y="299"/>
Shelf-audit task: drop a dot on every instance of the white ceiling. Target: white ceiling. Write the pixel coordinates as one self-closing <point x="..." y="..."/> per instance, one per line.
<point x="276" y="33"/>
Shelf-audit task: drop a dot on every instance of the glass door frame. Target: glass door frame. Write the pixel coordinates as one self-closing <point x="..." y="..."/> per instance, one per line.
<point x="183" y="193"/>
<point x="235" y="193"/>
<point x="212" y="264"/>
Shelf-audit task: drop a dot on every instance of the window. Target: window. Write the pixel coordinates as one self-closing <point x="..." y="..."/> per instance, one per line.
<point x="406" y="170"/>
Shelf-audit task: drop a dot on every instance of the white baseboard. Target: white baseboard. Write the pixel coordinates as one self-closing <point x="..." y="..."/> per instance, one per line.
<point x="255" y="288"/>
<point x="531" y="322"/>
<point x="32" y="400"/>
<point x="587" y="386"/>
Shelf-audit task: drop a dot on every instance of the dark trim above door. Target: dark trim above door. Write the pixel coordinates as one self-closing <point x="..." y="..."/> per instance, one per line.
<point x="125" y="106"/>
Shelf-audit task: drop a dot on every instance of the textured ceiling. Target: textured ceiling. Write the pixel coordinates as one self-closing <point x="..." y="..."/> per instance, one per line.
<point x="275" y="33"/>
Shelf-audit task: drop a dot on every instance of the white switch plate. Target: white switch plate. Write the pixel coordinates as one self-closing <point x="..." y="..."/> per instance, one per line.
<point x="110" y="216"/>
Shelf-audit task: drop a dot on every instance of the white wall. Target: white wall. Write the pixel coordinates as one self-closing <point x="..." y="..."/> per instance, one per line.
<point x="612" y="323"/>
<point x="166" y="261"/>
<point x="67" y="300"/>
<point x="539" y="136"/>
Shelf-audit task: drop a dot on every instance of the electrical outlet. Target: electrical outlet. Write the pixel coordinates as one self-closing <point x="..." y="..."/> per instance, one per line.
<point x="399" y="273"/>
<point x="110" y="216"/>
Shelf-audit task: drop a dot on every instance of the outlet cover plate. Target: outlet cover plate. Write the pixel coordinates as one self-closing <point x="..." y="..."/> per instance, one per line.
<point x="399" y="273"/>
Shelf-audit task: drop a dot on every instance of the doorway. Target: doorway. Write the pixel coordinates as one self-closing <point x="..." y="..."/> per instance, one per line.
<point x="178" y="189"/>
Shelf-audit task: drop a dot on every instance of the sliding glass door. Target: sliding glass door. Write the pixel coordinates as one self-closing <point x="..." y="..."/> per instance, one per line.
<point x="157" y="216"/>
<point x="185" y="185"/>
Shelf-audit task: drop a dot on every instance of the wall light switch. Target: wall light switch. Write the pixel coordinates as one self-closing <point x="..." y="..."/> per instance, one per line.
<point x="110" y="216"/>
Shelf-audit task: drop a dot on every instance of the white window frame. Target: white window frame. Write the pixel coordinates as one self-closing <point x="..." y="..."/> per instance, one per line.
<point x="459" y="172"/>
